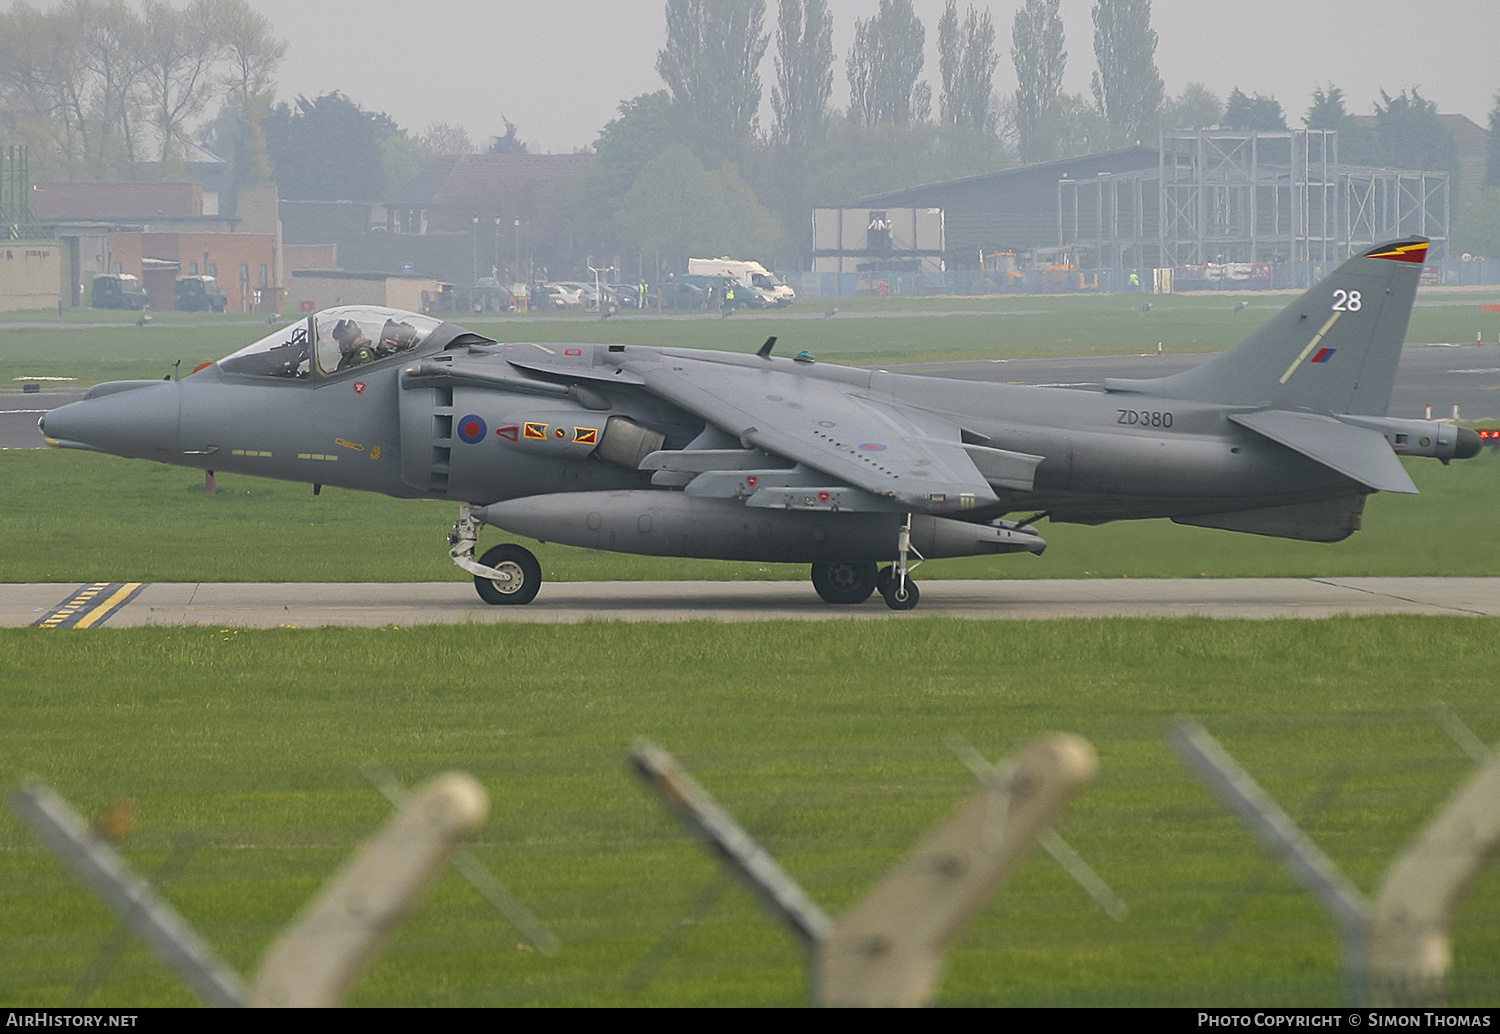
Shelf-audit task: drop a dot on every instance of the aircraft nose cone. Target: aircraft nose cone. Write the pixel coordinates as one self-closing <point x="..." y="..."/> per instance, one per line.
<point x="138" y="423"/>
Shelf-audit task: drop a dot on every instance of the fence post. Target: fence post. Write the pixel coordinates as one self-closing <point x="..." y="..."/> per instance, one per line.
<point x="889" y="950"/>
<point x="1285" y="842"/>
<point x="101" y="868"/>
<point x="1409" y="950"/>
<point x="317" y="960"/>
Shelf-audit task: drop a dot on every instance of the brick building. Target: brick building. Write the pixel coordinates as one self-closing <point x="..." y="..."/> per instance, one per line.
<point x="243" y="263"/>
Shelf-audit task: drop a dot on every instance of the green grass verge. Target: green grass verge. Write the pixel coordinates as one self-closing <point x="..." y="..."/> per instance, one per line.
<point x="74" y="516"/>
<point x="972" y="327"/>
<point x="829" y="735"/>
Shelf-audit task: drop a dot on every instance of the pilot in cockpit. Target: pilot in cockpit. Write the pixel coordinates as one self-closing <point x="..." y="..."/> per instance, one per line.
<point x="396" y="336"/>
<point x="354" y="348"/>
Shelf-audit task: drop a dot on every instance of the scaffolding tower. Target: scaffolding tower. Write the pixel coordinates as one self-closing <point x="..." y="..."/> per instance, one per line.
<point x="1248" y="196"/>
<point x="16" y="221"/>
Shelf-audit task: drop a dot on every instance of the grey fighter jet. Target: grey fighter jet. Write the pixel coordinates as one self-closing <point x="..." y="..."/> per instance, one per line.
<point x="676" y="452"/>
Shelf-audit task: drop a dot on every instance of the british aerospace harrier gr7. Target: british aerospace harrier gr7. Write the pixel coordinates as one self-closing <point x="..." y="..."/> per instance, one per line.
<point x="860" y="473"/>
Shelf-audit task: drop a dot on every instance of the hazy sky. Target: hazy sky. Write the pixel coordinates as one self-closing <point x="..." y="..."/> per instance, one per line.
<point x="558" y="69"/>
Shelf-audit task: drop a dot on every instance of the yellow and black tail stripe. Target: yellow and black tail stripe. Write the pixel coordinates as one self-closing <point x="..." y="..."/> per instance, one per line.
<point x="91" y="605"/>
<point x="1415" y="251"/>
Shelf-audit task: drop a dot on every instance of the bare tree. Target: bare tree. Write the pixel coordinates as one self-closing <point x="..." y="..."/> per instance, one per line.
<point x="251" y="54"/>
<point x="180" y="51"/>
<point x="112" y="40"/>
<point x="446" y="138"/>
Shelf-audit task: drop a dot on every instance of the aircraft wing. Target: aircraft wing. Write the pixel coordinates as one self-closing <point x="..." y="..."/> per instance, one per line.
<point x="892" y="451"/>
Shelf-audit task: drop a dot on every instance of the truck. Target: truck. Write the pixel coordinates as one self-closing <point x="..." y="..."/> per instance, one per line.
<point x="118" y="291"/>
<point x="748" y="274"/>
<point x="197" y="293"/>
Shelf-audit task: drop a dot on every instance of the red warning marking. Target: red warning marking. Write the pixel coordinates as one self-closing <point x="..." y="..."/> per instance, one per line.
<point x="572" y="351"/>
<point x="510" y="433"/>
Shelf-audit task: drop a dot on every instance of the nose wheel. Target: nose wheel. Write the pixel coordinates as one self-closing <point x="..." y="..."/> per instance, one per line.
<point x="520" y="576"/>
<point x="507" y="575"/>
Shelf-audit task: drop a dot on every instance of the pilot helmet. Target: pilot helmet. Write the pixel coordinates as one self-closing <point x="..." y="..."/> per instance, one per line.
<point x="347" y="334"/>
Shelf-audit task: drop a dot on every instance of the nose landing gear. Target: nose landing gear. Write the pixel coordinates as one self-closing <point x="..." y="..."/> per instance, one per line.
<point x="507" y="575"/>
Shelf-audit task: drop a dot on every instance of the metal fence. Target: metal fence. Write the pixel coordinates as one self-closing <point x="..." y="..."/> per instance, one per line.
<point x="1213" y="277"/>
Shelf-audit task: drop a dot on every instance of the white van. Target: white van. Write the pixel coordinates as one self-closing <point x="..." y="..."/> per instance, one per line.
<point x="749" y="274"/>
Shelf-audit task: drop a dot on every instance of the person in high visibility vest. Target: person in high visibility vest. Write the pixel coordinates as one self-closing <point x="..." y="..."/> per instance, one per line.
<point x="641" y="294"/>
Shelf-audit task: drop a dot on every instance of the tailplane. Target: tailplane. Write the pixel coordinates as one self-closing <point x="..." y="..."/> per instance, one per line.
<point x="1334" y="350"/>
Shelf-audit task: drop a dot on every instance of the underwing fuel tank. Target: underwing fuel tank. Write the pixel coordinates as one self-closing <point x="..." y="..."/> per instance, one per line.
<point x="656" y="523"/>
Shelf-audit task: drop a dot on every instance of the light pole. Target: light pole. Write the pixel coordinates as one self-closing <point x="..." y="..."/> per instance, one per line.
<point x="496" y="266"/>
<point x="518" y="249"/>
<point x="476" y="250"/>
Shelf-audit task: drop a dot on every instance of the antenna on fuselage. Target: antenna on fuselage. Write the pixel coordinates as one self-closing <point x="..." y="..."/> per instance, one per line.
<point x="765" y="349"/>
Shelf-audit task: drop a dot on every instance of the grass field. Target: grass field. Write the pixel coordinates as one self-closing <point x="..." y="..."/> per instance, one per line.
<point x="867" y="330"/>
<point x="74" y="516"/>
<point x="829" y="736"/>
<point x="826" y="737"/>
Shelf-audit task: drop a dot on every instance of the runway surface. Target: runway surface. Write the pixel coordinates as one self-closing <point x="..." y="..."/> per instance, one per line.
<point x="311" y="605"/>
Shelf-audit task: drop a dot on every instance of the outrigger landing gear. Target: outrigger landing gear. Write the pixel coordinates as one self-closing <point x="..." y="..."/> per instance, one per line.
<point x="894" y="582"/>
<point x="508" y="574"/>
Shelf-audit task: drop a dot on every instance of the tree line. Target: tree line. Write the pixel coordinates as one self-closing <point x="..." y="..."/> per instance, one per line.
<point x="101" y="91"/>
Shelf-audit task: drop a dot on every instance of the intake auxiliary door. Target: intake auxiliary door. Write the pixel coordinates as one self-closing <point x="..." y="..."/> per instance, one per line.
<point x="426" y="437"/>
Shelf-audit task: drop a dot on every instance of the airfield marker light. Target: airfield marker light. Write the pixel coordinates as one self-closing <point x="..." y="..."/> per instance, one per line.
<point x="1429" y="411"/>
<point x="208" y="482"/>
<point x="1478" y="339"/>
<point x="1158" y="348"/>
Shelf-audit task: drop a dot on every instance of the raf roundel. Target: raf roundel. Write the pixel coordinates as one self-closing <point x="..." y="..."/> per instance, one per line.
<point x="471" y="429"/>
<point x="872" y="447"/>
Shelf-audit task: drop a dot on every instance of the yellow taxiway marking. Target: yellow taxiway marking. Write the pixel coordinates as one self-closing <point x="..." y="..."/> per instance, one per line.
<point x="86" y="608"/>
<point x="104" y="609"/>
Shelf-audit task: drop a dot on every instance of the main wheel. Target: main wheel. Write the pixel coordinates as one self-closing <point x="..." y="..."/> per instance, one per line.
<point x="525" y="576"/>
<point x="899" y="598"/>
<point x="844" y="582"/>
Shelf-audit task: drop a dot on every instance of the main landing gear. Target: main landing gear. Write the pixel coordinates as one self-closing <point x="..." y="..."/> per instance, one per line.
<point x="507" y="575"/>
<point x="854" y="581"/>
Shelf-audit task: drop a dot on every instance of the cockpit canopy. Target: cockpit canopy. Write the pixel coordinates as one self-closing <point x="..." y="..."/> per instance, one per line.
<point x="332" y="341"/>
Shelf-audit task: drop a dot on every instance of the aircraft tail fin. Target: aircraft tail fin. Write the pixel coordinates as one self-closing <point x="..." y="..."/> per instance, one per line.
<point x="1333" y="350"/>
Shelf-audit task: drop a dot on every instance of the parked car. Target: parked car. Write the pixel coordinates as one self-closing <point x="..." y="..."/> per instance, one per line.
<point x="118" y="291"/>
<point x="585" y="295"/>
<point x="675" y="294"/>
<point x="198" y="293"/>
<point x="715" y="288"/>
<point x="564" y="296"/>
